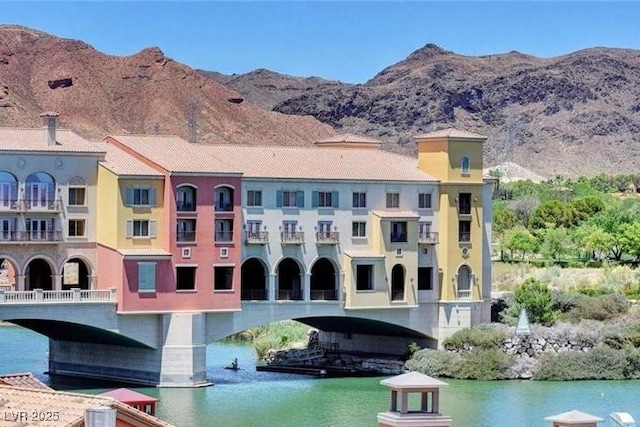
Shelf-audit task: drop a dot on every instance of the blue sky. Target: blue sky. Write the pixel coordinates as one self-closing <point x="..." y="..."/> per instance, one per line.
<point x="347" y="41"/>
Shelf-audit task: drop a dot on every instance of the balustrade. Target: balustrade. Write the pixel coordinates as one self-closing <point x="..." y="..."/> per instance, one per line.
<point x="42" y="296"/>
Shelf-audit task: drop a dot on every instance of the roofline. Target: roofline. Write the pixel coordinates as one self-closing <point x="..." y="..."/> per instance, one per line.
<point x="339" y="180"/>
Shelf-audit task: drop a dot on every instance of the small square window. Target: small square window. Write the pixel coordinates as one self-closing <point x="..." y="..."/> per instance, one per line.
<point x="399" y="231"/>
<point x="359" y="229"/>
<point x="464" y="231"/>
<point x="393" y="200"/>
<point x="185" y="278"/>
<point x="359" y="199"/>
<point x="223" y="278"/>
<point x="77" y="196"/>
<point x="424" y="201"/>
<point x="254" y="198"/>
<point x="76" y="228"/>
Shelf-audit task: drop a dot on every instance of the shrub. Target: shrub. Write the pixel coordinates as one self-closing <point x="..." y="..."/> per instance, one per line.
<point x="602" y="363"/>
<point x="484" y="364"/>
<point x="536" y="298"/>
<point x="480" y="336"/>
<point x="565" y="301"/>
<point x="433" y="362"/>
<point x="603" y="307"/>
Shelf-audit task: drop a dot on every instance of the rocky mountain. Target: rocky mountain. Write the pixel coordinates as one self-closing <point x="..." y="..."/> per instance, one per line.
<point x="97" y="94"/>
<point x="572" y="114"/>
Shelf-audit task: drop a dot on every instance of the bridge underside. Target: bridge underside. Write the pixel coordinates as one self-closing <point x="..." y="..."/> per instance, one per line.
<point x="357" y="325"/>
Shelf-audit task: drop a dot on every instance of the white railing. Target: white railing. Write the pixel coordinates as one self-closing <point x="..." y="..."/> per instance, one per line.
<point x="463" y="294"/>
<point x="41" y="296"/>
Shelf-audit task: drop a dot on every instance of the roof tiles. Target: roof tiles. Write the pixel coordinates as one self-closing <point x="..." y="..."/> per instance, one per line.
<point x="33" y="140"/>
<point x="451" y="133"/>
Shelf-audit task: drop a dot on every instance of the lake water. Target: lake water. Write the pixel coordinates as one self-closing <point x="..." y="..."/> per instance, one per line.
<point x="247" y="398"/>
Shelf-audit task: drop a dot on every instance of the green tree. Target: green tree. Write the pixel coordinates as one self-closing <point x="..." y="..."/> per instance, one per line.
<point x="554" y="212"/>
<point x="536" y="298"/>
<point x="629" y="239"/>
<point x="593" y="239"/>
<point x="555" y="242"/>
<point x="503" y="219"/>
<point x="520" y="240"/>
<point x="587" y="207"/>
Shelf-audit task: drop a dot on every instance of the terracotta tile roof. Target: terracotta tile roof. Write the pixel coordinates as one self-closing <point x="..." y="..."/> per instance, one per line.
<point x="69" y="407"/>
<point x="276" y="162"/>
<point x="175" y="154"/>
<point x="24" y="380"/>
<point x="123" y="164"/>
<point x="126" y="395"/>
<point x="396" y="214"/>
<point x="574" y="418"/>
<point x="450" y="133"/>
<point x="33" y="140"/>
<point x="147" y="252"/>
<point x="348" y="138"/>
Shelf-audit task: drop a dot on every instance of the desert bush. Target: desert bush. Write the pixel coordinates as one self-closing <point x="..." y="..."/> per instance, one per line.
<point x="603" y="307"/>
<point x="433" y="362"/>
<point x="564" y="302"/>
<point x="484" y="364"/>
<point x="522" y="365"/>
<point x="602" y="363"/>
<point x="480" y="336"/>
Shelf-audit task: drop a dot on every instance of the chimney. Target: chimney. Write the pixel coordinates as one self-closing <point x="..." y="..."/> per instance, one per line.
<point x="50" y="119"/>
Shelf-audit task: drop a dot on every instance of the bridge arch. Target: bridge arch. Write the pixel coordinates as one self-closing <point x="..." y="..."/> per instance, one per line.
<point x="80" y="276"/>
<point x="324" y="279"/>
<point x="39" y="271"/>
<point x="398" y="273"/>
<point x="254" y="279"/>
<point x="289" y="279"/>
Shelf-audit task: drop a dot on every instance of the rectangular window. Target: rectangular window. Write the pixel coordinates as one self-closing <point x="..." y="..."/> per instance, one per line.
<point x="464" y="231"/>
<point x="186" y="230"/>
<point x="254" y="226"/>
<point x="141" y="197"/>
<point x="465" y="165"/>
<point x="290" y="199"/>
<point x="141" y="228"/>
<point x="146" y="277"/>
<point x="425" y="278"/>
<point x="359" y="199"/>
<point x="185" y="278"/>
<point x="254" y="198"/>
<point x="325" y="199"/>
<point x="77" y="196"/>
<point x="364" y="277"/>
<point x="289" y="227"/>
<point x="424" y="201"/>
<point x="393" y="200"/>
<point x="398" y="231"/>
<point x="76" y="228"/>
<point x="359" y="229"/>
<point x="222" y="278"/>
<point x="464" y="203"/>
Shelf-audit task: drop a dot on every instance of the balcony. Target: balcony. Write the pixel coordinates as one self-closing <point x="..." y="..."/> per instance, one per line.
<point x="463" y="294"/>
<point x="327" y="237"/>
<point x="11" y="205"/>
<point x="30" y="236"/>
<point x="324" y="295"/>
<point x="186" y="236"/>
<point x="257" y="237"/>
<point x="23" y="205"/>
<point x="398" y="237"/>
<point x="224" y="236"/>
<point x="292" y="237"/>
<point x="428" y="237"/>
<point x="224" y="207"/>
<point x="186" y="206"/>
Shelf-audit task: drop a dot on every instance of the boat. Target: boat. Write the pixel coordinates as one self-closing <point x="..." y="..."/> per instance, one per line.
<point x="622" y="419"/>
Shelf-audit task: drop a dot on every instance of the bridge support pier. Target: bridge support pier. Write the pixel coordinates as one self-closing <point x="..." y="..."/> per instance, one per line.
<point x="178" y="361"/>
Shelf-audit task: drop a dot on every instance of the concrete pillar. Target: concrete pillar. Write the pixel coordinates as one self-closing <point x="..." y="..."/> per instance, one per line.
<point x="306" y="287"/>
<point x="21" y="282"/>
<point x="57" y="282"/>
<point x="184" y="356"/>
<point x="271" y="291"/>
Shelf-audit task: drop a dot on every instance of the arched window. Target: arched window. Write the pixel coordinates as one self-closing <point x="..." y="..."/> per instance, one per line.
<point x="40" y="190"/>
<point x="465" y="165"/>
<point x="397" y="283"/>
<point x="186" y="198"/>
<point x="8" y="190"/>
<point x="463" y="279"/>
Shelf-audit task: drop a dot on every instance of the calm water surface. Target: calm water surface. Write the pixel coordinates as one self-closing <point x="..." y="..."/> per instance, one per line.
<point x="247" y="398"/>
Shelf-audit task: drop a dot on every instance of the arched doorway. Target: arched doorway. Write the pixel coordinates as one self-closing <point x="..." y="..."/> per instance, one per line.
<point x="397" y="283"/>
<point x="323" y="280"/>
<point x="289" y="280"/>
<point x="75" y="274"/>
<point x="464" y="282"/>
<point x="39" y="275"/>
<point x="7" y="275"/>
<point x="253" y="280"/>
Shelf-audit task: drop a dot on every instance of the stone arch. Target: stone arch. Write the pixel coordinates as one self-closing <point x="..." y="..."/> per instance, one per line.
<point x="8" y="189"/>
<point x="39" y="272"/>
<point x="398" y="282"/>
<point x="254" y="279"/>
<point x="289" y="278"/>
<point x="9" y="269"/>
<point x="324" y="280"/>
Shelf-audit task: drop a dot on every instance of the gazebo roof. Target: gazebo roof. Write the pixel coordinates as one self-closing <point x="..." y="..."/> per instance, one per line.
<point x="125" y="395"/>
<point x="574" y="417"/>
<point x="412" y="381"/>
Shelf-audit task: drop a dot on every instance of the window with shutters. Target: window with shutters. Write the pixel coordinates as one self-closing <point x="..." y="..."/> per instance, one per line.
<point x="146" y="277"/>
<point x="290" y="199"/>
<point x="141" y="228"/>
<point x="144" y="196"/>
